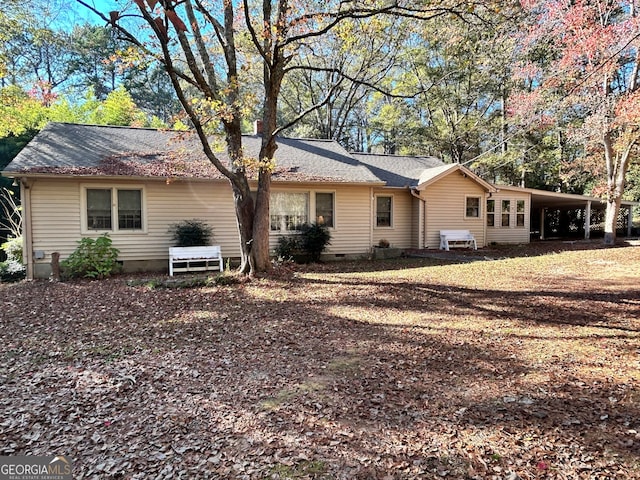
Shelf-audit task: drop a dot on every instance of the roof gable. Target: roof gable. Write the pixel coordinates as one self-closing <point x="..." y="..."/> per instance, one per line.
<point x="434" y="174"/>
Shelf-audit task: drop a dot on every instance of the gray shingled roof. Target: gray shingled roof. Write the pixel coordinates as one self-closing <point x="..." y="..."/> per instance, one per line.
<point x="62" y="148"/>
<point x="397" y="170"/>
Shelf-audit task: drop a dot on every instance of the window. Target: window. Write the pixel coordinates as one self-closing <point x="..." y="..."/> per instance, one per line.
<point x="472" y="208"/>
<point x="103" y="205"/>
<point x="129" y="210"/>
<point x="289" y="211"/>
<point x="519" y="213"/>
<point x="506" y="213"/>
<point x="491" y="213"/>
<point x="99" y="209"/>
<point x="383" y="211"/>
<point x="324" y="209"/>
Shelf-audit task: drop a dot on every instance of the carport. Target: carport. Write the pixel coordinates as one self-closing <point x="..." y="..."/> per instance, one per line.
<point x="556" y="214"/>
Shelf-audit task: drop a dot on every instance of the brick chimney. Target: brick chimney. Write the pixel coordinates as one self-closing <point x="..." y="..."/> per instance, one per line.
<point x="257" y="127"/>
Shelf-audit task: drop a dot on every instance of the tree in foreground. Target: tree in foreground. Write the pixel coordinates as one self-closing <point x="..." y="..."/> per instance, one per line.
<point x="582" y="68"/>
<point x="210" y="48"/>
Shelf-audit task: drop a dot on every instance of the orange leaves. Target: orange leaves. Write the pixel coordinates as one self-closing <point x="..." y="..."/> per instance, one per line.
<point x="628" y="110"/>
<point x="175" y="20"/>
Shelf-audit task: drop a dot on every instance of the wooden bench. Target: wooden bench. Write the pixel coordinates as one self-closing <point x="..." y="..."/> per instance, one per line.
<point x="457" y="238"/>
<point x="195" y="259"/>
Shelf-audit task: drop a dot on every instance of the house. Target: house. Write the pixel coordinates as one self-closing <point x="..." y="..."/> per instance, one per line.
<point x="85" y="180"/>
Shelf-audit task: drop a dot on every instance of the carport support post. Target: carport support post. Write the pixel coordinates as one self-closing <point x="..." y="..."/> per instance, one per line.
<point x="587" y="220"/>
<point x="630" y="221"/>
<point x="543" y="212"/>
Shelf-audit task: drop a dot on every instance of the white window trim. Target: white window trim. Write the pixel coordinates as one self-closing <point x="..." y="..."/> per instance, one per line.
<point x="487" y="212"/>
<point x="314" y="209"/>
<point x="479" y="197"/>
<point x="523" y="213"/>
<point x="114" y="208"/>
<point x="375" y="211"/>
<point x="311" y="208"/>
<point x="511" y="217"/>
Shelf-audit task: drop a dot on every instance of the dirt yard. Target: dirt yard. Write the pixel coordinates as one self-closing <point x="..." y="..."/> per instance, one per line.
<point x="525" y="366"/>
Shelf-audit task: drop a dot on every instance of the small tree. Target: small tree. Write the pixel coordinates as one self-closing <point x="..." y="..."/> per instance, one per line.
<point x="92" y="259"/>
<point x="314" y="240"/>
<point x="190" y="233"/>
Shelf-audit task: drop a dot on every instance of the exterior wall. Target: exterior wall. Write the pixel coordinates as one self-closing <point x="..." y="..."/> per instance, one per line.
<point x="446" y="205"/>
<point x="512" y="233"/>
<point x="351" y="234"/>
<point x="57" y="209"/>
<point x="400" y="233"/>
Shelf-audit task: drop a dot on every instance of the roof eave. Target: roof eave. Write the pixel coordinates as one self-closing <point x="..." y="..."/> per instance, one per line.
<point x="13" y="174"/>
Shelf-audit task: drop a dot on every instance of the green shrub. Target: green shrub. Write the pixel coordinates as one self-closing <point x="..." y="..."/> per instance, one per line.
<point x="314" y="240"/>
<point x="190" y="233"/>
<point x="287" y="248"/>
<point x="93" y="258"/>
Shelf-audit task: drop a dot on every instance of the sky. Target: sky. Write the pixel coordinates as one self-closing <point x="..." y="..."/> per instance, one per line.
<point x="72" y="13"/>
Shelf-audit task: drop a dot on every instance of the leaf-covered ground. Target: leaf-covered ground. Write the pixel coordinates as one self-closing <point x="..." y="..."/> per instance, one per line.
<point x="524" y="367"/>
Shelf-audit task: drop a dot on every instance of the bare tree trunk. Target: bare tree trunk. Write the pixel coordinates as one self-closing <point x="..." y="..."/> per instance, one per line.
<point x="244" y="215"/>
<point x="261" y="226"/>
<point x="617" y="165"/>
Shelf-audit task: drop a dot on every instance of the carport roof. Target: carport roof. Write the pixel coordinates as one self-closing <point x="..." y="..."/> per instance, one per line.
<point x="548" y="199"/>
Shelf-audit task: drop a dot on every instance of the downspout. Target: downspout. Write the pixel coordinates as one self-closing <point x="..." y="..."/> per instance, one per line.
<point x="27" y="236"/>
<point x="422" y="232"/>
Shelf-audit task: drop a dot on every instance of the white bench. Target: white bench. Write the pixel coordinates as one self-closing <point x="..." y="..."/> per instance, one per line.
<point x="457" y="238"/>
<point x="195" y="259"/>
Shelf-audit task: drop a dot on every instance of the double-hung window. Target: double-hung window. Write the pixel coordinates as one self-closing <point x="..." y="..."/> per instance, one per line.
<point x="324" y="209"/>
<point x="491" y="213"/>
<point x="472" y="207"/>
<point x="506" y="213"/>
<point x="384" y="206"/>
<point x="114" y="209"/>
<point x="519" y="213"/>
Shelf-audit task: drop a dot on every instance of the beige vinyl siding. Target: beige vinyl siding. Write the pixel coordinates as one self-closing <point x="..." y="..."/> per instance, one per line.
<point x="512" y="233"/>
<point x="56" y="216"/>
<point x="352" y="216"/>
<point x="446" y="206"/>
<point x="399" y="235"/>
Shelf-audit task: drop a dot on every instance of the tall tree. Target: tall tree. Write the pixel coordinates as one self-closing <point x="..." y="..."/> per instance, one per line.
<point x="204" y="48"/>
<point x="350" y="64"/>
<point x="592" y="76"/>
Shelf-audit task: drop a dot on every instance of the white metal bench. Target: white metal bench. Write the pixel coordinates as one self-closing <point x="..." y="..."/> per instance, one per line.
<point x="457" y="238"/>
<point x="195" y="259"/>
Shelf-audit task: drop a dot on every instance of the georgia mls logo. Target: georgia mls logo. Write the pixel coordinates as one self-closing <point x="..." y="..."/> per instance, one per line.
<point x="35" y="468"/>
